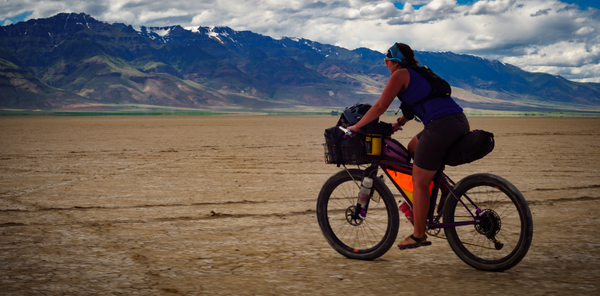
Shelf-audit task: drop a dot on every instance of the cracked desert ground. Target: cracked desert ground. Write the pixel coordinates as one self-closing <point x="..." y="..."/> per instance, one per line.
<point x="225" y="205"/>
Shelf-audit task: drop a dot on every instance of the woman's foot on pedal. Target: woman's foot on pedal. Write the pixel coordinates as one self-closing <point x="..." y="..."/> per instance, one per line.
<point x="413" y="242"/>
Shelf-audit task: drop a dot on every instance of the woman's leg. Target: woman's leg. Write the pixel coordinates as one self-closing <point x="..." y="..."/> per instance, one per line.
<point x="412" y="147"/>
<point x="421" y="197"/>
<point x="421" y="180"/>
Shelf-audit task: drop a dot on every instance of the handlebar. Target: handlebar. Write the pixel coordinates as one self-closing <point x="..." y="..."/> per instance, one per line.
<point x="347" y="132"/>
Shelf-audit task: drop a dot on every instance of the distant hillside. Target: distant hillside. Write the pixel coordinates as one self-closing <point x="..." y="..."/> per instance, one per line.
<point x="72" y="61"/>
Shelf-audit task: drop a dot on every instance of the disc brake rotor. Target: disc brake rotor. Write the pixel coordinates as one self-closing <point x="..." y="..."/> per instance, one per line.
<point x="350" y="214"/>
<point x="489" y="226"/>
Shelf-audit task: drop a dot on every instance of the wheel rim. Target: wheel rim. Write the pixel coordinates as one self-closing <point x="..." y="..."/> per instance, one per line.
<point x="358" y="236"/>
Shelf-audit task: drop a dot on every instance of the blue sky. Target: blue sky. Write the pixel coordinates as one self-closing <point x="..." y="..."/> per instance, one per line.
<point x="560" y="37"/>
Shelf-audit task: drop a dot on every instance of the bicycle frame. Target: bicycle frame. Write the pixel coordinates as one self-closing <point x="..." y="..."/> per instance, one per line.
<point x="385" y="163"/>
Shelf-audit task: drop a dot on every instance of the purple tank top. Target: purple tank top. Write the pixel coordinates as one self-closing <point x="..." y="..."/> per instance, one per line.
<point x="418" y="88"/>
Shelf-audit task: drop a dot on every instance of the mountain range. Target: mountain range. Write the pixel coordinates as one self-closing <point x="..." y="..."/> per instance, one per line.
<point x="74" y="62"/>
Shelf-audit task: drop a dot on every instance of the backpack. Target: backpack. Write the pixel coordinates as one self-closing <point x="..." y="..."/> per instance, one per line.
<point x="472" y="146"/>
<point x="439" y="88"/>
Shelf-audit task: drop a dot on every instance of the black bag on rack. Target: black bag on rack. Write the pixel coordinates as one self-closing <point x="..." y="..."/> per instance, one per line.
<point x="472" y="146"/>
<point x="344" y="150"/>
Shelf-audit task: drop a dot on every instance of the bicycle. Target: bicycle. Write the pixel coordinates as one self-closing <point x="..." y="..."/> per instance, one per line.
<point x="485" y="218"/>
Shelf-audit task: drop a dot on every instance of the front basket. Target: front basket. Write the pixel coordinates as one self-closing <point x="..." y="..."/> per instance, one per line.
<point x="346" y="154"/>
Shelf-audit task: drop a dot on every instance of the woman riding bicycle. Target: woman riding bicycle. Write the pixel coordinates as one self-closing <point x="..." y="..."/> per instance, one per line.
<point x="444" y="122"/>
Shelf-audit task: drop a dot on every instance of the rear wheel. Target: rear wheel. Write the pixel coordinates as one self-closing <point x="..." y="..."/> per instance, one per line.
<point x="503" y="236"/>
<point x="357" y="238"/>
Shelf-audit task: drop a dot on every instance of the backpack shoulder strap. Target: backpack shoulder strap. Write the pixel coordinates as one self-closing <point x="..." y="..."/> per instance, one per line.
<point x="439" y="86"/>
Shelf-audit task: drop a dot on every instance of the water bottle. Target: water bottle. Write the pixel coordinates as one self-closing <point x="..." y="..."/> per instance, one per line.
<point x="405" y="208"/>
<point x="365" y="191"/>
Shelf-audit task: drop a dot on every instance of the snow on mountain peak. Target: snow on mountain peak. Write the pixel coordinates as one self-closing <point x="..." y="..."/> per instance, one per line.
<point x="214" y="35"/>
<point x="162" y="32"/>
<point x="192" y="29"/>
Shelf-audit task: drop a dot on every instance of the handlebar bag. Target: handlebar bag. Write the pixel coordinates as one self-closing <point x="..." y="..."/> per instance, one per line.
<point x="472" y="146"/>
<point x="376" y="132"/>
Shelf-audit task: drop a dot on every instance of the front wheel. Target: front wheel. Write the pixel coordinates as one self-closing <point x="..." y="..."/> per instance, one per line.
<point x="364" y="239"/>
<point x="503" y="235"/>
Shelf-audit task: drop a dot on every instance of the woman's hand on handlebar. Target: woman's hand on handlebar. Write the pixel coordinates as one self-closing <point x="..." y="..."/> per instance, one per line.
<point x="400" y="122"/>
<point x="354" y="130"/>
<point x="396" y="127"/>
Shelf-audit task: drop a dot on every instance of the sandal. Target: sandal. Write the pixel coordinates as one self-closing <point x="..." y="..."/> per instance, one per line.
<point x="419" y="242"/>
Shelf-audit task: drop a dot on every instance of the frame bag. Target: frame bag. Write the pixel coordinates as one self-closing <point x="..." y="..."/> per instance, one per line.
<point x="472" y="146"/>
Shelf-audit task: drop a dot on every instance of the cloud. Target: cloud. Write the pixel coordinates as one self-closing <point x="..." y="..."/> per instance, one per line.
<point x="585" y="31"/>
<point x="317" y="5"/>
<point x="491" y="7"/>
<point x="541" y="12"/>
<point x="560" y="54"/>
<point x="380" y="11"/>
<point x="569" y="7"/>
<point x="576" y="60"/>
<point x="415" y="2"/>
<point x="7" y="22"/>
<point x="585" y="73"/>
<point x="160" y="15"/>
<point x="434" y="10"/>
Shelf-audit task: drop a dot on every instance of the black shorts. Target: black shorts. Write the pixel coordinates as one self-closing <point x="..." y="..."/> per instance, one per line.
<point x="435" y="139"/>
